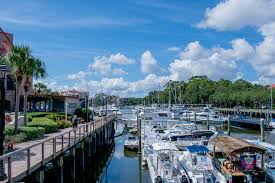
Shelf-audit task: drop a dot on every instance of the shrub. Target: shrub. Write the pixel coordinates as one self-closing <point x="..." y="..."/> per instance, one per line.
<point x="32" y="132"/>
<point x="64" y="124"/>
<point x="49" y="125"/>
<point x="9" y="131"/>
<point x="32" y="115"/>
<point x="20" y="137"/>
<point x="81" y="112"/>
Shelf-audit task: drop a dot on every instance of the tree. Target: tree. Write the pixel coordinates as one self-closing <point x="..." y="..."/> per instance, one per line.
<point x="15" y="60"/>
<point x="40" y="87"/>
<point x="33" y="67"/>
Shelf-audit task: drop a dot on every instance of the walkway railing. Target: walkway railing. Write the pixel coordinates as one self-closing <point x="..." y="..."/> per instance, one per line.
<point x="24" y="161"/>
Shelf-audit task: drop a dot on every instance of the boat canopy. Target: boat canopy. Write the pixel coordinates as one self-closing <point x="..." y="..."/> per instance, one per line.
<point x="164" y="146"/>
<point x="231" y="146"/>
<point x="197" y="149"/>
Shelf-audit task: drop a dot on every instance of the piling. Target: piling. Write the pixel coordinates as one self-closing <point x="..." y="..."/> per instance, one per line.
<point x="207" y="122"/>
<point x="262" y="130"/>
<point x="228" y="126"/>
<point x="195" y="117"/>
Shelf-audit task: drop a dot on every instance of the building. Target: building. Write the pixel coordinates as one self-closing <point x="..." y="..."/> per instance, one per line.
<point x="6" y="43"/>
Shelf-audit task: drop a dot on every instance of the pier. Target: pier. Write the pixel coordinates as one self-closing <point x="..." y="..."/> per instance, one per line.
<point x="255" y="113"/>
<point x="63" y="156"/>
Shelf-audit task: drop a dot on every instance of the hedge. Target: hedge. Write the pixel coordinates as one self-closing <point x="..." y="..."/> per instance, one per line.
<point x="64" y="124"/>
<point x="24" y="133"/>
<point x="32" y="132"/>
<point x="49" y="125"/>
<point x="81" y="112"/>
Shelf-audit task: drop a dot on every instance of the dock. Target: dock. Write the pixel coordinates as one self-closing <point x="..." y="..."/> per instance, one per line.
<point x="30" y="156"/>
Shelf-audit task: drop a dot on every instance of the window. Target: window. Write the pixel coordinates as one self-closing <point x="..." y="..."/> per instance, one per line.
<point x="163" y="115"/>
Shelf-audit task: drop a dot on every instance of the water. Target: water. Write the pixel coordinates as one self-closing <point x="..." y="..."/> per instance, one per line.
<point x="124" y="166"/>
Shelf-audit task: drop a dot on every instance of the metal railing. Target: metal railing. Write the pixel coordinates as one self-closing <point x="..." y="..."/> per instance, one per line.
<point x="49" y="148"/>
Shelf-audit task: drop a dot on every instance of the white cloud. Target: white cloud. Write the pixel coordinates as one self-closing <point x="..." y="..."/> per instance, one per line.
<point x="103" y="64"/>
<point x="78" y="76"/>
<point x="174" y="49"/>
<point x="120" y="86"/>
<point x="236" y="14"/>
<point x="216" y="62"/>
<point x="119" y="71"/>
<point x="148" y="64"/>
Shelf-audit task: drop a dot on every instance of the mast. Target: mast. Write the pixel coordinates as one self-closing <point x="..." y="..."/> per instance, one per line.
<point x="175" y="95"/>
<point x="169" y="95"/>
<point x="271" y="102"/>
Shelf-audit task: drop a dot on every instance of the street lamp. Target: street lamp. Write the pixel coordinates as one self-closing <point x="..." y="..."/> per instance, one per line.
<point x="4" y="70"/>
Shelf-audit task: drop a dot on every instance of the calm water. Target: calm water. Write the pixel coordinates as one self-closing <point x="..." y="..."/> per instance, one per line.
<point x="124" y="166"/>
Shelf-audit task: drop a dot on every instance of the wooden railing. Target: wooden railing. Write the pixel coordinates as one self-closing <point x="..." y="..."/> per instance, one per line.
<point x="24" y="161"/>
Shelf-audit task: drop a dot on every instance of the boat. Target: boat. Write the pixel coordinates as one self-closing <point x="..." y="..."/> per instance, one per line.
<point x="245" y="122"/>
<point x="198" y="164"/>
<point x="156" y="116"/>
<point x="163" y="165"/>
<point x="131" y="143"/>
<point x="236" y="158"/>
<point x="269" y="158"/>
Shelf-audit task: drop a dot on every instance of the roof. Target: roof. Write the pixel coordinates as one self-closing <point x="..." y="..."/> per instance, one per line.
<point x="197" y="149"/>
<point x="232" y="146"/>
<point x="164" y="146"/>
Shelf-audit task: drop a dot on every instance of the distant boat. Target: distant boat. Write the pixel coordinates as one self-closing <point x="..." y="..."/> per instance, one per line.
<point x="245" y="122"/>
<point x="131" y="144"/>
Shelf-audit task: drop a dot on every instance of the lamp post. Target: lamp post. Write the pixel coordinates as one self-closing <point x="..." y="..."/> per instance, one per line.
<point x="3" y="73"/>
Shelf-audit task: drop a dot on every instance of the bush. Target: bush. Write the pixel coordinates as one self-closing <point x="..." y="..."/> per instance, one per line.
<point x="20" y="137"/>
<point x="49" y="125"/>
<point x="64" y="124"/>
<point x="81" y="112"/>
<point x="32" y="132"/>
<point x="32" y="115"/>
<point x="9" y="131"/>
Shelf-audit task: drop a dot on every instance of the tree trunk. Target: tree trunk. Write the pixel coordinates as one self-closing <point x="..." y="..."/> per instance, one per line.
<point x="17" y="102"/>
<point x="25" y="107"/>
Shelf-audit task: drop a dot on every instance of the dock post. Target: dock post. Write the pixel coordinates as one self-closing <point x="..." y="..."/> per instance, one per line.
<point x="60" y="170"/>
<point x="195" y="117"/>
<point x="250" y="113"/>
<point x="228" y="126"/>
<point x="207" y="122"/>
<point x="262" y="130"/>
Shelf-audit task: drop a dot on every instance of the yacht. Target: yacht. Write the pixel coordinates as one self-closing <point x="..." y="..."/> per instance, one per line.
<point x="198" y="164"/>
<point x="270" y="171"/>
<point x="131" y="144"/>
<point x="156" y="116"/>
<point x="163" y="165"/>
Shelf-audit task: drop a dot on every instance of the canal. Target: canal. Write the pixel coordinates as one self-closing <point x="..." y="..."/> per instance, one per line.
<point x="124" y="166"/>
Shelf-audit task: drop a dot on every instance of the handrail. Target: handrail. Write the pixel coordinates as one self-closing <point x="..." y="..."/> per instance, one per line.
<point x="88" y="128"/>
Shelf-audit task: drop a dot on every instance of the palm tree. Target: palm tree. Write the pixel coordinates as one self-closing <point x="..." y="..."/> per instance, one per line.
<point x="20" y="61"/>
<point x="39" y="87"/>
<point x="33" y="67"/>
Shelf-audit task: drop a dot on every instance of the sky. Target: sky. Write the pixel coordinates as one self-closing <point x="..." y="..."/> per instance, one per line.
<point x="131" y="47"/>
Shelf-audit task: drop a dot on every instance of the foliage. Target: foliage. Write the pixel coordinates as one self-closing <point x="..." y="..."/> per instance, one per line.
<point x="24" y="133"/>
<point x="222" y="93"/>
<point x="49" y="125"/>
<point x="57" y="116"/>
<point x="81" y="112"/>
<point x="64" y="124"/>
<point x="32" y="132"/>
<point x="20" y="137"/>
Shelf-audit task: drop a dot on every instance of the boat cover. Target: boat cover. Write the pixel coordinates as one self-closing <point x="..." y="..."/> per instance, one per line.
<point x="197" y="149"/>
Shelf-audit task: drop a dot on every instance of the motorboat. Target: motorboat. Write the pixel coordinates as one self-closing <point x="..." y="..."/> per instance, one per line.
<point x="156" y="116"/>
<point x="198" y="165"/>
<point x="131" y="143"/>
<point x="270" y="171"/>
<point x="163" y="165"/>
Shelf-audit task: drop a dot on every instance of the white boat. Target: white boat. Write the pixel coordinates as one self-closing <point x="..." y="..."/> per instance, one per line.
<point x="163" y="165"/>
<point x="131" y="143"/>
<point x="156" y="116"/>
<point x="199" y="165"/>
<point x="270" y="171"/>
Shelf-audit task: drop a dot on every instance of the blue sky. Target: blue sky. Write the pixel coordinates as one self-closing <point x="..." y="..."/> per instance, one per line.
<point x="132" y="47"/>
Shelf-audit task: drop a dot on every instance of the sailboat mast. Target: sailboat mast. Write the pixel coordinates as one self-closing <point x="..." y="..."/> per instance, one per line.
<point x="169" y="95"/>
<point x="271" y="102"/>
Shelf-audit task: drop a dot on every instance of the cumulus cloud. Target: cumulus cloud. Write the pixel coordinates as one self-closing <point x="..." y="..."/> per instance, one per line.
<point x="120" y="86"/>
<point x="103" y="64"/>
<point x="148" y="64"/>
<point x="119" y="71"/>
<point x="216" y="62"/>
<point x="236" y="14"/>
<point x="174" y="49"/>
<point x="78" y="76"/>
